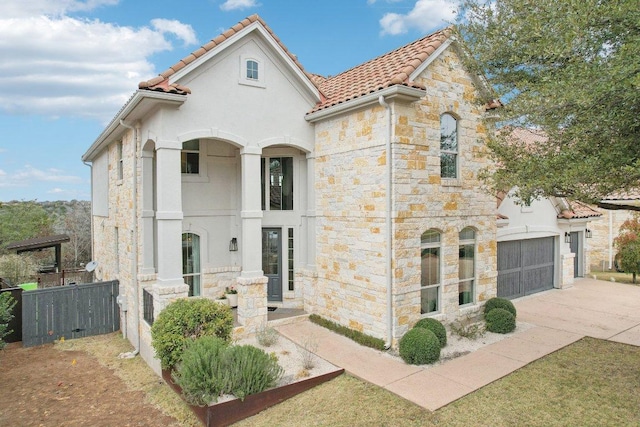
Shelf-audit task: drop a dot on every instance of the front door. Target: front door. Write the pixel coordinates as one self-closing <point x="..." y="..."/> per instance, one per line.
<point x="271" y="262"/>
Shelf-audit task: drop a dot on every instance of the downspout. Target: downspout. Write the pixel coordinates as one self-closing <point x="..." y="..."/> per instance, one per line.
<point x="91" y="206"/>
<point x="134" y="239"/>
<point x="389" y="252"/>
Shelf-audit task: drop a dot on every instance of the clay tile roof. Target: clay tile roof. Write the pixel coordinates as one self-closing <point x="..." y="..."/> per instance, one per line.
<point x="633" y="194"/>
<point x="390" y="69"/>
<point x="579" y="210"/>
<point x="161" y="83"/>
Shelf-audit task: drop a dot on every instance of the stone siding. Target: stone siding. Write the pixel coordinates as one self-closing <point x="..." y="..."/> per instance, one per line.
<point x="350" y="199"/>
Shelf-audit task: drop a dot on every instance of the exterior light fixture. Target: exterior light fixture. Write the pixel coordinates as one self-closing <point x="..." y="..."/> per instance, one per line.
<point x="233" y="245"/>
<point x="587" y="233"/>
<point x="567" y="237"/>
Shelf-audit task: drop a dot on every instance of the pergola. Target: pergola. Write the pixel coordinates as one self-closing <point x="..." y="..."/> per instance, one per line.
<point x="39" y="243"/>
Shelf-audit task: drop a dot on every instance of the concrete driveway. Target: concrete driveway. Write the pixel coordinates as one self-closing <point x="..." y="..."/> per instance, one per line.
<point x="594" y="308"/>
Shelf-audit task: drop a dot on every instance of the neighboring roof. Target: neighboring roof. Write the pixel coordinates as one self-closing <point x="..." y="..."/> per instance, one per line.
<point x="38" y="243"/>
<point x="390" y="69"/>
<point x="578" y="210"/>
<point x="161" y="82"/>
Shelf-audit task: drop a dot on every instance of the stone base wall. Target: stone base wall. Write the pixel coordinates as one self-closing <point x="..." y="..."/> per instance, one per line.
<point x="252" y="303"/>
<point x="216" y="280"/>
<point x="566" y="279"/>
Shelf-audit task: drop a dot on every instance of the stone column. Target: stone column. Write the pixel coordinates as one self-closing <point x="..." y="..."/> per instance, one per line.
<point x="252" y="284"/>
<point x="566" y="270"/>
<point x="169" y="217"/>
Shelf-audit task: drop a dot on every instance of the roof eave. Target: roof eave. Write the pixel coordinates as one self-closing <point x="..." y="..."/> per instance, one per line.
<point x="256" y="26"/>
<point x="139" y="104"/>
<point x="396" y="92"/>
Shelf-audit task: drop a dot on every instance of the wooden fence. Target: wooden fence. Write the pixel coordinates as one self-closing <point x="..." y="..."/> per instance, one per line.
<point x="72" y="311"/>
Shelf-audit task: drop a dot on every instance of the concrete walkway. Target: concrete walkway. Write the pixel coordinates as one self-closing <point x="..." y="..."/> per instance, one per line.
<point x="590" y="308"/>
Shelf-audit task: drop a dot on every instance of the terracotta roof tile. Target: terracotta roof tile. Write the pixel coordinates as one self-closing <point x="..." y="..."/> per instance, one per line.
<point x="390" y="69"/>
<point x="579" y="210"/>
<point x="163" y="85"/>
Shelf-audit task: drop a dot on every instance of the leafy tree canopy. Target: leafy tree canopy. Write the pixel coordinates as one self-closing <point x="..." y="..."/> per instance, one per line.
<point x="628" y="245"/>
<point x="21" y="221"/>
<point x="570" y="69"/>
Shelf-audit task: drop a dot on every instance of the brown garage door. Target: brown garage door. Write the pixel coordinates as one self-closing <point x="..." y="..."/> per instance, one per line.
<point x="525" y="267"/>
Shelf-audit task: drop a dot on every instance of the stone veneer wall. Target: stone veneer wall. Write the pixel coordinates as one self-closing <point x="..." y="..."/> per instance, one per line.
<point x="350" y="191"/>
<point x="599" y="243"/>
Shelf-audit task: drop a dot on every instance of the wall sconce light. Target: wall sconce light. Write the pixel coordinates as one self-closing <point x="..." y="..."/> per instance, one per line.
<point x="587" y="233"/>
<point x="567" y="237"/>
<point x="233" y="245"/>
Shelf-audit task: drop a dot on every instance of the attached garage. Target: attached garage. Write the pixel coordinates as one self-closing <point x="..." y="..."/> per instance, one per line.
<point x="525" y="266"/>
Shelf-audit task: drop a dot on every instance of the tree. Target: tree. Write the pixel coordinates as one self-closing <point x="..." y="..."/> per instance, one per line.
<point x="18" y="269"/>
<point x="628" y="245"/>
<point x="570" y="69"/>
<point x="21" y="221"/>
<point x="7" y="303"/>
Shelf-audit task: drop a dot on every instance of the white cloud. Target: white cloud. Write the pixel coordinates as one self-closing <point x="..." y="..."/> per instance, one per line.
<point x="28" y="175"/>
<point x="238" y="4"/>
<point x="23" y="9"/>
<point x="59" y="65"/>
<point x="425" y="16"/>
<point x="180" y="30"/>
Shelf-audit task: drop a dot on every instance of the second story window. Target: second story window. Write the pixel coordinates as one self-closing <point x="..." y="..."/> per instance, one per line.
<point x="190" y="157"/>
<point x="448" y="146"/>
<point x="252" y="70"/>
<point x="120" y="160"/>
<point x="277" y="183"/>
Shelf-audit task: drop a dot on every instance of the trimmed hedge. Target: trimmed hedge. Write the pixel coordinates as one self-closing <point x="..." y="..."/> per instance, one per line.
<point x="183" y="321"/>
<point x="497" y="302"/>
<point x="436" y="327"/>
<point x="356" y="336"/>
<point x="500" y="320"/>
<point x="419" y="346"/>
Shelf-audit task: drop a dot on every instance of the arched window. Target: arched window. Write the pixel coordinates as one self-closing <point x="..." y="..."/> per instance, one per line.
<point x="448" y="146"/>
<point x="430" y="280"/>
<point x="191" y="262"/>
<point x="466" y="267"/>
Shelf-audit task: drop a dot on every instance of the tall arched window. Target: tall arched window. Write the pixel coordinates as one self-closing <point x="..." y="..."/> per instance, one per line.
<point x="448" y="146"/>
<point x="430" y="281"/>
<point x="191" y="262"/>
<point x="467" y="266"/>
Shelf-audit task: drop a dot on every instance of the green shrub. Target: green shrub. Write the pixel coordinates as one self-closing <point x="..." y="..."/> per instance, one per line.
<point x="267" y="336"/>
<point x="200" y="373"/>
<point x="499" y="303"/>
<point x="7" y="302"/>
<point x="436" y="327"/>
<point x="183" y="321"/>
<point x="500" y="320"/>
<point x="419" y="346"/>
<point x="359" y="337"/>
<point x="250" y="370"/>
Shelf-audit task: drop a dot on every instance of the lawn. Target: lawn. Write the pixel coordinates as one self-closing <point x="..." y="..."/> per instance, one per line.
<point x="591" y="382"/>
<point x="618" y="277"/>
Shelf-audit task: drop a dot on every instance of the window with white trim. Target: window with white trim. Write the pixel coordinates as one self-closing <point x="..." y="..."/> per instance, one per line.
<point x="430" y="280"/>
<point x="448" y="146"/>
<point x="190" y="157"/>
<point x="253" y="72"/>
<point x="191" y="262"/>
<point x="466" y="266"/>
<point x="277" y="183"/>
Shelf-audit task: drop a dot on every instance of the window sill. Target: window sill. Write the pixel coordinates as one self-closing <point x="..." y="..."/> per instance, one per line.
<point x="254" y="83"/>
<point x="119" y="181"/>
<point x="450" y="182"/>
<point x="194" y="178"/>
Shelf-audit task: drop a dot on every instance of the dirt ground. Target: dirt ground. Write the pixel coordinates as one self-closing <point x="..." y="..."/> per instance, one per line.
<point x="44" y="386"/>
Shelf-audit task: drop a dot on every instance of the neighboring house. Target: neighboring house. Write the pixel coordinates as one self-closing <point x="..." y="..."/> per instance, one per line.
<point x="355" y="197"/>
<point x="543" y="244"/>
<point x="616" y="209"/>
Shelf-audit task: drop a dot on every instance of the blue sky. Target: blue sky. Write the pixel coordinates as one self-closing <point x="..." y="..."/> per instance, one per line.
<point x="68" y="66"/>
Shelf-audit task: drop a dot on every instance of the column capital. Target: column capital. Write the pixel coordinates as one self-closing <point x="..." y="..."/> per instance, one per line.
<point x="165" y="144"/>
<point x="251" y="149"/>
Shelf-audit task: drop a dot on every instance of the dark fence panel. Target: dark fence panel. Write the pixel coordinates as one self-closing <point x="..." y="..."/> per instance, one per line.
<point x="73" y="311"/>
<point x="15" y="325"/>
